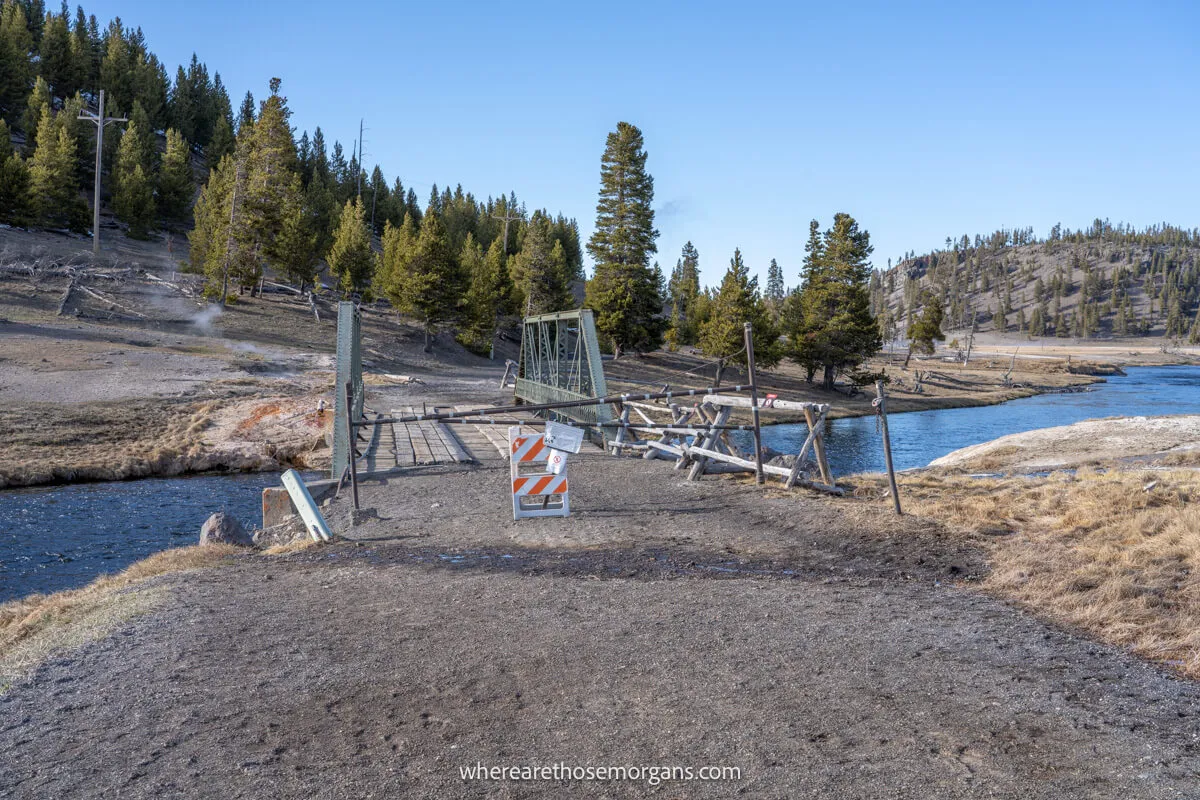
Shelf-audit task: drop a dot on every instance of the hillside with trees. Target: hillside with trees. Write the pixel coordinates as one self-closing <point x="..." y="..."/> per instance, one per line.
<point x="252" y="197"/>
<point x="256" y="201"/>
<point x="1107" y="281"/>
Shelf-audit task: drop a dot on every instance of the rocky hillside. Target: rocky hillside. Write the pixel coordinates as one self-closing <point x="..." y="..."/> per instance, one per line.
<point x="1103" y="282"/>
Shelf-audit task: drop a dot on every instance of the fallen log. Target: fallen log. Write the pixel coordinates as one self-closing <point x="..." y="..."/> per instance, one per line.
<point x="771" y="469"/>
<point x="111" y="302"/>
<point x="66" y="298"/>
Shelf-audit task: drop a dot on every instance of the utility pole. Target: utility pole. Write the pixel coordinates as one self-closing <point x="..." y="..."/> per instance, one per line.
<point x="360" y="164"/>
<point x="508" y="217"/>
<point x="100" y="121"/>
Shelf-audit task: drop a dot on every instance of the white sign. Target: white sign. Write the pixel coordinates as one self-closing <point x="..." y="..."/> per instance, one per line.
<point x="563" y="437"/>
<point x="556" y="462"/>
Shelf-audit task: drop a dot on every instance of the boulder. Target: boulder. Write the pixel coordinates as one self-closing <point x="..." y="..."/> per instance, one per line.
<point x="221" y="528"/>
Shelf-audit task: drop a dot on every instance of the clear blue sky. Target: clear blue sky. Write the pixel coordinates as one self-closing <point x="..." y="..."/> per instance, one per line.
<point x="921" y="120"/>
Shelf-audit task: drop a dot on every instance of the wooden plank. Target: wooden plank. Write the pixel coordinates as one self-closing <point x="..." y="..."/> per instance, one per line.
<point x="819" y="444"/>
<point x="795" y="473"/>
<point x="458" y="452"/>
<point x="615" y="444"/>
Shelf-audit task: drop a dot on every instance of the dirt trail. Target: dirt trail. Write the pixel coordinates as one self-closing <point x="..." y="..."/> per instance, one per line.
<point x="810" y="644"/>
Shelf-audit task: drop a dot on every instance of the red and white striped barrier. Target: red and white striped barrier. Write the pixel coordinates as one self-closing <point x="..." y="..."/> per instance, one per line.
<point x="539" y="488"/>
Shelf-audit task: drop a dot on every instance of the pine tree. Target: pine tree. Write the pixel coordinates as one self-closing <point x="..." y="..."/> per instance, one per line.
<point x="425" y="281"/>
<point x="399" y="248"/>
<point x="221" y="144"/>
<point x="485" y="294"/>
<point x="272" y="185"/>
<point x="737" y="301"/>
<point x="14" y="183"/>
<point x="246" y="117"/>
<point x="133" y="193"/>
<point x="539" y="270"/>
<point x="623" y="291"/>
<point x="52" y="177"/>
<point x="836" y="330"/>
<point x="351" y="258"/>
<point x="683" y="289"/>
<point x="928" y="327"/>
<point x="54" y="55"/>
<point x="147" y="149"/>
<point x="296" y="247"/>
<point x="83" y="49"/>
<point x="39" y="101"/>
<point x="1037" y="322"/>
<point x="775" y="286"/>
<point x="16" y="67"/>
<point x="175" y="187"/>
<point x="221" y="245"/>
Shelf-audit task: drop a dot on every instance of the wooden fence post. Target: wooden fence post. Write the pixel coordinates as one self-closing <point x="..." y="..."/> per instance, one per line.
<point x="758" y="467"/>
<point x="881" y="399"/>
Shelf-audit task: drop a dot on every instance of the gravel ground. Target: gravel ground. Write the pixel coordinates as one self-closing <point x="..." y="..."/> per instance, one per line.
<point x="811" y="644"/>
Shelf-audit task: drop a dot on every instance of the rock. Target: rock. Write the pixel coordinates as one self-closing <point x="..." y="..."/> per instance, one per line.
<point x="287" y="532"/>
<point x="221" y="528"/>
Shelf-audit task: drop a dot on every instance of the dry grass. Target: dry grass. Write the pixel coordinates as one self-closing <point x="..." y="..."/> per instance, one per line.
<point x="1181" y="458"/>
<point x="995" y="459"/>
<point x="35" y="627"/>
<point x="290" y="547"/>
<point x="1116" y="554"/>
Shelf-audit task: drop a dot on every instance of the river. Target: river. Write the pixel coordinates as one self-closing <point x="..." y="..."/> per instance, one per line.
<point x="61" y="537"/>
<point x="855" y="445"/>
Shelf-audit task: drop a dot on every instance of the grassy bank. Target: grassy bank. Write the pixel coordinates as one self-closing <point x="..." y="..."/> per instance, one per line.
<point x="1116" y="554"/>
<point x="34" y="628"/>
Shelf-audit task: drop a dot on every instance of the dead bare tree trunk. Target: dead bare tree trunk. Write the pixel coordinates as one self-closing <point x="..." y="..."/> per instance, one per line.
<point x="66" y="298"/>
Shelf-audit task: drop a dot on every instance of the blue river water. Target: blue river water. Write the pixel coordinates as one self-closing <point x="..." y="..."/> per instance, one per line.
<point x="62" y="537"/>
<point x="855" y="444"/>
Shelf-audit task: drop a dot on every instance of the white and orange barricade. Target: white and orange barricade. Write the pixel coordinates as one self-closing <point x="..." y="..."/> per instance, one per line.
<point x="539" y="487"/>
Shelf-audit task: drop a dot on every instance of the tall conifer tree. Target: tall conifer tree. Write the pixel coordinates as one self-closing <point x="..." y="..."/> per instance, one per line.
<point x="834" y="330"/>
<point x="175" y="187"/>
<point x="425" y="281"/>
<point x="539" y="271"/>
<point x="738" y="301"/>
<point x="52" y="177"/>
<point x="623" y="291"/>
<point x="351" y="258"/>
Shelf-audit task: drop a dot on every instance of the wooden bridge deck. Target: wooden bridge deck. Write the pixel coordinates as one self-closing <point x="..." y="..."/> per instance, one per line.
<point x="397" y="446"/>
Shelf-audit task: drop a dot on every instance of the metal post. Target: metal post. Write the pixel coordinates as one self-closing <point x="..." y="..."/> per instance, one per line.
<point x="758" y="467"/>
<point x="881" y="399"/>
<point x="353" y="440"/>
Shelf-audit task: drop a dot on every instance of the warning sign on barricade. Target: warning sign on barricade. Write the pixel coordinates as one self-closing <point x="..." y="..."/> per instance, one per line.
<point x="539" y="476"/>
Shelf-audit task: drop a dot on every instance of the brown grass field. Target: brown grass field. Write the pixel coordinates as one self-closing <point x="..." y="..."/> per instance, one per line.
<point x="1116" y="553"/>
